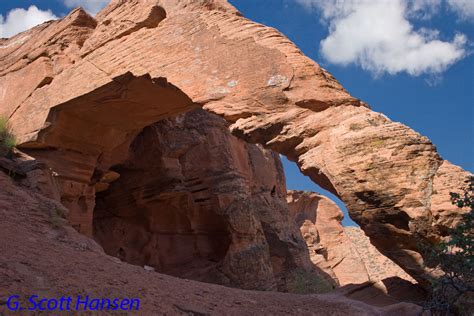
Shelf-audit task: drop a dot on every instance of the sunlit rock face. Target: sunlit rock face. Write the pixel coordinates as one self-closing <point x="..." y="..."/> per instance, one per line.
<point x="195" y="202"/>
<point x="346" y="254"/>
<point x="89" y="86"/>
<point x="329" y="247"/>
<point x="343" y="252"/>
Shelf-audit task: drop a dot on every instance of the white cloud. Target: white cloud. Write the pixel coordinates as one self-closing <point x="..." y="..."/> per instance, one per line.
<point x="91" y="6"/>
<point x="422" y="9"/>
<point x="463" y="8"/>
<point x="377" y="36"/>
<point x="19" y="20"/>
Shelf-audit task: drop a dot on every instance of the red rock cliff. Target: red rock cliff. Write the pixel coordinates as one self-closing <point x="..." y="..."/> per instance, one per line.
<point x="89" y="86"/>
<point x="344" y="252"/>
<point x="196" y="202"/>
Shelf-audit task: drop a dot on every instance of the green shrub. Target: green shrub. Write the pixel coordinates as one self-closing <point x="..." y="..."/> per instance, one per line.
<point x="7" y="139"/>
<point x="453" y="292"/>
<point x="301" y="281"/>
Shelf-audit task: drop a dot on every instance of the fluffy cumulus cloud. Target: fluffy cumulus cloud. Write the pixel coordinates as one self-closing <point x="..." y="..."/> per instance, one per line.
<point x="19" y="20"/>
<point x="91" y="6"/>
<point x="378" y="36"/>
<point x="464" y="8"/>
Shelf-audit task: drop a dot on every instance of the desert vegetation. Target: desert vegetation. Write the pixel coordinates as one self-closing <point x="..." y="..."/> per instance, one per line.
<point x="453" y="292"/>
<point x="7" y="139"/>
<point x="304" y="282"/>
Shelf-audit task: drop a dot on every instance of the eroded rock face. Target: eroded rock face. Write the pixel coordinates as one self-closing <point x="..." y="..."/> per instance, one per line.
<point x="319" y="220"/>
<point x="196" y="202"/>
<point x="377" y="265"/>
<point x="31" y="60"/>
<point x="344" y="253"/>
<point x="81" y="118"/>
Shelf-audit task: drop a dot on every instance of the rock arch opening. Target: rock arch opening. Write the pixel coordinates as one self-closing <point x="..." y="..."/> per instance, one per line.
<point x="159" y="182"/>
<point x="82" y="138"/>
<point x="339" y="246"/>
<point x="322" y="219"/>
<point x="297" y="181"/>
<point x="143" y="177"/>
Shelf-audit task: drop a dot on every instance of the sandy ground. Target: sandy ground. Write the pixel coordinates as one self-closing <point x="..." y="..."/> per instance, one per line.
<point x="40" y="254"/>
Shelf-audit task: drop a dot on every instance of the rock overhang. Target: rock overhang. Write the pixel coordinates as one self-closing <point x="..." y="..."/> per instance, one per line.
<point x="387" y="174"/>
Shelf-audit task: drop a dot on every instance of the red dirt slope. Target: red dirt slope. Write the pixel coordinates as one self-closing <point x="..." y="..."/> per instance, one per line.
<point x="41" y="254"/>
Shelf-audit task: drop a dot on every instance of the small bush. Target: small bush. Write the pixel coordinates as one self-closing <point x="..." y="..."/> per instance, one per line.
<point x="452" y="293"/>
<point x="306" y="282"/>
<point x="7" y="140"/>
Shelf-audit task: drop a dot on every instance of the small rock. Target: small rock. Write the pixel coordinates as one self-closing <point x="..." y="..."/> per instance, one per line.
<point x="148" y="268"/>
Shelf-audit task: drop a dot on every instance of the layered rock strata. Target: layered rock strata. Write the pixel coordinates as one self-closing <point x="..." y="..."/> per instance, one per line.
<point x="196" y="202"/>
<point x="346" y="254"/>
<point x="90" y="85"/>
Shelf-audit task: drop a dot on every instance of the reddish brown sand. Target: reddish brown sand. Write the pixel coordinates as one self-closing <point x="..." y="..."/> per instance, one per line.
<point x="43" y="255"/>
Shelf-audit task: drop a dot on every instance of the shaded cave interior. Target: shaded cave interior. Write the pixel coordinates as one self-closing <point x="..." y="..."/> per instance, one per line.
<point x="161" y="212"/>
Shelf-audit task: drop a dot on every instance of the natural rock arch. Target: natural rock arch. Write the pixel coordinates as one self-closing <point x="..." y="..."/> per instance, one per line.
<point x="392" y="180"/>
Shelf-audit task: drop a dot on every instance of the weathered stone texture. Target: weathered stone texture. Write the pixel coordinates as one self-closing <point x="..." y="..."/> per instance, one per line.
<point x="346" y="254"/>
<point x="109" y="72"/>
<point x="196" y="202"/>
<point x="342" y="252"/>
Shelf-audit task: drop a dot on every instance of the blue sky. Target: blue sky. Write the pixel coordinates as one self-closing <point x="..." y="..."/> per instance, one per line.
<point x="414" y="65"/>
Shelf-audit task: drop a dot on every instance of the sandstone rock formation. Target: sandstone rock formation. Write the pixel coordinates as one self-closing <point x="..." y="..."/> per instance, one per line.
<point x="42" y="254"/>
<point x="91" y="85"/>
<point x="347" y="255"/>
<point x="377" y="265"/>
<point x="388" y="283"/>
<point x="319" y="219"/>
<point x="196" y="202"/>
<point x="343" y="252"/>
